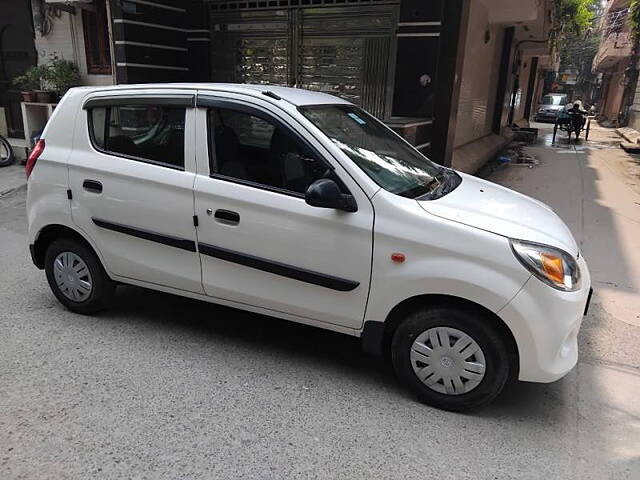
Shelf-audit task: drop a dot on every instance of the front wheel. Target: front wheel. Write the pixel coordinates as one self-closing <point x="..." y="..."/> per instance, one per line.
<point x="586" y="134"/>
<point x="452" y="359"/>
<point x="76" y="276"/>
<point x="6" y="152"/>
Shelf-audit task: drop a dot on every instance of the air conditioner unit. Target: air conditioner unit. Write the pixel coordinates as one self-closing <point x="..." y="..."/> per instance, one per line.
<point x="70" y="5"/>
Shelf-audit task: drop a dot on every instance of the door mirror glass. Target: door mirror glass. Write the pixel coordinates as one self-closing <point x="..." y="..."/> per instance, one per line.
<point x="325" y="193"/>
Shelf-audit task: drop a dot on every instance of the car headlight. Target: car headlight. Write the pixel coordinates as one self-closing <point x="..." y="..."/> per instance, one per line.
<point x="541" y="110"/>
<point x="553" y="266"/>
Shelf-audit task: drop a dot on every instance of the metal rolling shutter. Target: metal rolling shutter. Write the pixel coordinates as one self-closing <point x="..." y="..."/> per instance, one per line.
<point x="345" y="51"/>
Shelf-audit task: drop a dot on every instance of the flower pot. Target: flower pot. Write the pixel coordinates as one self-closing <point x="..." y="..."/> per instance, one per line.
<point x="28" y="96"/>
<point x="44" y="97"/>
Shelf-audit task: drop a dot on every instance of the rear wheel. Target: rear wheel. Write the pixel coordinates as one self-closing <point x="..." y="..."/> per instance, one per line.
<point x="76" y="276"/>
<point x="451" y="358"/>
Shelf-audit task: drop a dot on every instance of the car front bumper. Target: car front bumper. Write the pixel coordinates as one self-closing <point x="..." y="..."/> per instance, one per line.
<point x="545" y="323"/>
<point x="546" y="116"/>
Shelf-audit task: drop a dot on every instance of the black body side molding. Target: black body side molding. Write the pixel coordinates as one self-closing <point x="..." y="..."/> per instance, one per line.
<point x="169" y="240"/>
<point x="277" y="268"/>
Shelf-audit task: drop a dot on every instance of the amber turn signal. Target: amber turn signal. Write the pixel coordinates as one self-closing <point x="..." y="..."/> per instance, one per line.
<point x="552" y="267"/>
<point x="398" y="257"/>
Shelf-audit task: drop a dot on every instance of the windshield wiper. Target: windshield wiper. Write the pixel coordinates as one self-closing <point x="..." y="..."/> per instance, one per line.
<point x="448" y="180"/>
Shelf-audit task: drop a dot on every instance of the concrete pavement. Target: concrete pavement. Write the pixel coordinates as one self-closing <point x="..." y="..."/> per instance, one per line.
<point x="162" y="387"/>
<point x="12" y="177"/>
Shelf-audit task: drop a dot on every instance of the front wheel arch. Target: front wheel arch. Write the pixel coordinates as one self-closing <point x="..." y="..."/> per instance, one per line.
<point x="378" y="338"/>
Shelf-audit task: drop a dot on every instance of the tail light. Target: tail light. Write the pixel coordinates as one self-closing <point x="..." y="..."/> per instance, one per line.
<point x="33" y="157"/>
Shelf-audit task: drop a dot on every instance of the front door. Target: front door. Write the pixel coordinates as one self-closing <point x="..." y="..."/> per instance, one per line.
<point x="260" y="244"/>
<point x="131" y="175"/>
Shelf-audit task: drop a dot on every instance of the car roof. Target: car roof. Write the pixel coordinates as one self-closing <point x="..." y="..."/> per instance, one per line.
<point x="295" y="96"/>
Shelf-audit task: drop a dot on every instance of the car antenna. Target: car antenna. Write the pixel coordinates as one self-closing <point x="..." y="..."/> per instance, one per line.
<point x="269" y="93"/>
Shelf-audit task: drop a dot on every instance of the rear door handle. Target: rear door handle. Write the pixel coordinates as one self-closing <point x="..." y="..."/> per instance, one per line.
<point x="227" y="216"/>
<point x="92" y="186"/>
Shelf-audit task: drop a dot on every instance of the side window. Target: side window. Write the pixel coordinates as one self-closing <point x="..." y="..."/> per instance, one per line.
<point x="99" y="119"/>
<point x="253" y="149"/>
<point x="153" y="133"/>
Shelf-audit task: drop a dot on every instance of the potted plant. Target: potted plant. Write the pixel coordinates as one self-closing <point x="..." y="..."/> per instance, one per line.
<point x="60" y="75"/>
<point x="28" y="82"/>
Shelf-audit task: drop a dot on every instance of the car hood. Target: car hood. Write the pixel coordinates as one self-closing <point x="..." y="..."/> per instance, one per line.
<point x="487" y="206"/>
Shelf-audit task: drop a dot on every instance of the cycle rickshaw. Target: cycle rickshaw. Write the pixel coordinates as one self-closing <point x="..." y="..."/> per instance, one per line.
<point x="573" y="121"/>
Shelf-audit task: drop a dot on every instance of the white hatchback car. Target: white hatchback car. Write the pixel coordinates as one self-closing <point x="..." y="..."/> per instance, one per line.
<point x="302" y="206"/>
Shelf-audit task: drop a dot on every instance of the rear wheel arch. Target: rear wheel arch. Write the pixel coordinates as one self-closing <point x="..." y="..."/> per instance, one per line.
<point x="377" y="336"/>
<point x="47" y="235"/>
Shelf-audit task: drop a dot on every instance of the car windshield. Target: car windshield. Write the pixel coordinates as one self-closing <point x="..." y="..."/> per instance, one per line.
<point x="382" y="155"/>
<point x="554" y="100"/>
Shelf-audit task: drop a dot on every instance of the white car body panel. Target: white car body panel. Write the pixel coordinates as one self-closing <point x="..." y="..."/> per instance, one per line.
<point x="284" y="229"/>
<point x="545" y="323"/>
<point x="491" y="207"/>
<point x="457" y="245"/>
<point x="442" y="257"/>
<point x="47" y="201"/>
<point x="141" y="195"/>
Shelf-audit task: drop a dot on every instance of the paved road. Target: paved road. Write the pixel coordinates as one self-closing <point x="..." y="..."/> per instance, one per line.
<point x="169" y="388"/>
<point x="11" y="177"/>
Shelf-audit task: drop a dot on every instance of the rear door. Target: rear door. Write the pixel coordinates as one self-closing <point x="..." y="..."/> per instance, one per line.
<point x="260" y="244"/>
<point x="131" y="174"/>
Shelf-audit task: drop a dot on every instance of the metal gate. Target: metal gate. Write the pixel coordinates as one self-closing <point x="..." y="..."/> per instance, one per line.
<point x="347" y="51"/>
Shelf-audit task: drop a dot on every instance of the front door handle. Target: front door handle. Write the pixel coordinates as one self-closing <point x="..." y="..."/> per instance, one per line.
<point x="227" y="216"/>
<point x="92" y="186"/>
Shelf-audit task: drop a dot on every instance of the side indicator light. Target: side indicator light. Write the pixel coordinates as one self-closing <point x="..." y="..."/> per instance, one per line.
<point x="398" y="257"/>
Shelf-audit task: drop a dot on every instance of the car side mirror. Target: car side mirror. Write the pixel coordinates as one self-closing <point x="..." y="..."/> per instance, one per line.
<point x="325" y="193"/>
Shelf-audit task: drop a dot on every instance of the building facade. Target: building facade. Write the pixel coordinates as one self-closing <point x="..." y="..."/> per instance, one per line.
<point x="614" y="62"/>
<point x="448" y="75"/>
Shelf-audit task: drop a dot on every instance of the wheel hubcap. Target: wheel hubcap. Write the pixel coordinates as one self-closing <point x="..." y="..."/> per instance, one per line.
<point x="447" y="360"/>
<point x="72" y="276"/>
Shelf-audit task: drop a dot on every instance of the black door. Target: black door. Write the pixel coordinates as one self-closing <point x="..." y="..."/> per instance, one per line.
<point x="17" y="53"/>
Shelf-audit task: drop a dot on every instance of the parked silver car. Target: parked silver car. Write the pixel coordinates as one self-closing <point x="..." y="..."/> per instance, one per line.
<point x="550" y="106"/>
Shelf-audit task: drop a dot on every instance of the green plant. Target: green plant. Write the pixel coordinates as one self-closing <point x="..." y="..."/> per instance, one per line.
<point x="574" y="16"/>
<point x="60" y="75"/>
<point x="29" y="80"/>
<point x="634" y="18"/>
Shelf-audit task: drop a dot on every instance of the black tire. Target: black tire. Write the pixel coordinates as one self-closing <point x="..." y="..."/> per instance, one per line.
<point x="586" y="133"/>
<point x="102" y="286"/>
<point x="475" y="325"/>
<point x="6" y="153"/>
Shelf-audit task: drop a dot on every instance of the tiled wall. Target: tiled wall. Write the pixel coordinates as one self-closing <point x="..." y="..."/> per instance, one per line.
<point x="479" y="77"/>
